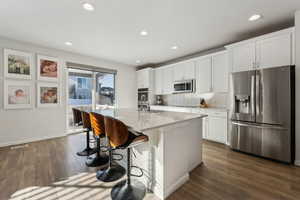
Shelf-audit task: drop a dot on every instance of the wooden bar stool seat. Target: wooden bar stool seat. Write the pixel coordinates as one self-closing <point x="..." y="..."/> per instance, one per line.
<point x="97" y="125"/>
<point x="121" y="138"/>
<point x="80" y="120"/>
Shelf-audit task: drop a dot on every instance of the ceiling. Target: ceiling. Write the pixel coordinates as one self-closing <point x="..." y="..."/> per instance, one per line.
<point x="112" y="31"/>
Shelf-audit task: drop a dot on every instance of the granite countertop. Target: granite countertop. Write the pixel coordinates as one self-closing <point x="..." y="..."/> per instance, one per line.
<point x="142" y="121"/>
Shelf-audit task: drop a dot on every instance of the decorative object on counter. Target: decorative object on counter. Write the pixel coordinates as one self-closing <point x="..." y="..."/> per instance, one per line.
<point x="18" y="94"/>
<point x="17" y="64"/>
<point x="159" y="100"/>
<point x="47" y="68"/>
<point x="203" y="103"/>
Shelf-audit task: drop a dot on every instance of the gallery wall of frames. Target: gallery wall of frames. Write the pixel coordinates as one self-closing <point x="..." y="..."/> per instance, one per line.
<point x="21" y="85"/>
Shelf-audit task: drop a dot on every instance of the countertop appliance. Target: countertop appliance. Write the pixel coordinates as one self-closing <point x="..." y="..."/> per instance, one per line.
<point x="185" y="86"/>
<point x="143" y="99"/>
<point x="159" y="100"/>
<point x="262" y="112"/>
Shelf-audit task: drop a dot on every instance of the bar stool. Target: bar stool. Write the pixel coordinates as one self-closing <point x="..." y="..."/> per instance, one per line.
<point x="97" y="125"/>
<point x="121" y="138"/>
<point x="77" y="118"/>
<point x="86" y="124"/>
<point x="114" y="171"/>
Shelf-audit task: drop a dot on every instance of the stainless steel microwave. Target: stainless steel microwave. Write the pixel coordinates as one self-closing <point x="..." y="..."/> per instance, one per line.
<point x="185" y="86"/>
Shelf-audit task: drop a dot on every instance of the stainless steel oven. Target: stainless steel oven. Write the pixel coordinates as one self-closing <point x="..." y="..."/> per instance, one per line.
<point x="185" y="86"/>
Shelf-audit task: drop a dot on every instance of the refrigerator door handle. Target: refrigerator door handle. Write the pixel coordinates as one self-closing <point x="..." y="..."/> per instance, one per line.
<point x="261" y="126"/>
<point x="252" y="95"/>
<point x="257" y="88"/>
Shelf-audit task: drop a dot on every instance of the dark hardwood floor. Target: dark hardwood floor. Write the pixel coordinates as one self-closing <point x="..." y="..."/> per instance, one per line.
<point x="225" y="174"/>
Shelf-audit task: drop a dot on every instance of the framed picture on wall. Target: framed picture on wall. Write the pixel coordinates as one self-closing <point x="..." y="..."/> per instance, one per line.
<point x="47" y="68"/>
<point x="18" y="94"/>
<point x="48" y="95"/>
<point x="18" y="64"/>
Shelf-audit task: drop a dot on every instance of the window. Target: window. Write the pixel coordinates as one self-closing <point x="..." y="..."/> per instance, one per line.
<point x="90" y="89"/>
<point x="105" y="89"/>
<point x="82" y="83"/>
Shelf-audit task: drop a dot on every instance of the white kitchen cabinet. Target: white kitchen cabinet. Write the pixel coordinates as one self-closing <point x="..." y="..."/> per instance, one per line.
<point x="212" y="73"/>
<point x="164" y="81"/>
<point x="168" y="80"/>
<point x="220" y="72"/>
<point x="270" y="50"/>
<point x="178" y="72"/>
<point x="189" y="70"/>
<point x="158" y="76"/>
<point x="275" y="51"/>
<point x="214" y="127"/>
<point x="205" y="124"/>
<point x="144" y="78"/>
<point x="243" y="57"/>
<point x="217" y="129"/>
<point x="203" y="75"/>
<point x="184" y="71"/>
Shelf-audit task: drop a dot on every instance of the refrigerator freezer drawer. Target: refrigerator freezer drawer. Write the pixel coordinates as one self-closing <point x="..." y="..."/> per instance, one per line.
<point x="268" y="141"/>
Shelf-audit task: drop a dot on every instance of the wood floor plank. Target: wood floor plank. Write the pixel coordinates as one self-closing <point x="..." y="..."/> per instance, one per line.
<point x="224" y="174"/>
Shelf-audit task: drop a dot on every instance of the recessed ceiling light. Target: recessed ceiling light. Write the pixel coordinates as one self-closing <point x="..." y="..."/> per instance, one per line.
<point x="88" y="6"/>
<point x="174" y="47"/>
<point x="68" y="43"/>
<point x="255" y="17"/>
<point x="143" y="33"/>
<point x="138" y="61"/>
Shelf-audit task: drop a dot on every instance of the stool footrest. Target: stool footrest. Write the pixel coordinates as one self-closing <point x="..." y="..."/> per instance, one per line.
<point x="136" y="167"/>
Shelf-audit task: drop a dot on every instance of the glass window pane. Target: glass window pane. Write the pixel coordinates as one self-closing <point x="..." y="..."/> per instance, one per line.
<point x="105" y="89"/>
<point x="80" y="90"/>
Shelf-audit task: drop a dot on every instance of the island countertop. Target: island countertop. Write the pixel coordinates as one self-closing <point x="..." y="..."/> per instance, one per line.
<point x="143" y="121"/>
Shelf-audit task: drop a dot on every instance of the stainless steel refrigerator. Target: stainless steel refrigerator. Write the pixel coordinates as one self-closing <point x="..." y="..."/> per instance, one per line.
<point x="262" y="112"/>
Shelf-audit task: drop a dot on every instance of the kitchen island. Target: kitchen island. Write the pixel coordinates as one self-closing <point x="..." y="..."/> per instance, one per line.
<point x="173" y="150"/>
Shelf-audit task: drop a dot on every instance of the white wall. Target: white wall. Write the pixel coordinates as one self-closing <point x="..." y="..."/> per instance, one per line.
<point x="19" y="126"/>
<point x="297" y="25"/>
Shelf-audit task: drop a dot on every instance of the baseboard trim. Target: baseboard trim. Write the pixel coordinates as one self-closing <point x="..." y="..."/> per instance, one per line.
<point x="7" y="144"/>
<point x="176" y="185"/>
<point x="297" y="163"/>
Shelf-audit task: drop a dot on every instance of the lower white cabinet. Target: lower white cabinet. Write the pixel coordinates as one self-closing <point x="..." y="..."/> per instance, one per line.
<point x="205" y="127"/>
<point x="214" y="127"/>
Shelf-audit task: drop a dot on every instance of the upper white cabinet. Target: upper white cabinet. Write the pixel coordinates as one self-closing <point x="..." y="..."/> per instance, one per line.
<point x="189" y="70"/>
<point x="212" y="73"/>
<point x="184" y="70"/>
<point x="178" y="71"/>
<point x="168" y="80"/>
<point x="164" y="80"/>
<point x="203" y="75"/>
<point x="158" y="76"/>
<point x="144" y="78"/>
<point x="243" y="57"/>
<point x="270" y="50"/>
<point x="275" y="51"/>
<point x="220" y="72"/>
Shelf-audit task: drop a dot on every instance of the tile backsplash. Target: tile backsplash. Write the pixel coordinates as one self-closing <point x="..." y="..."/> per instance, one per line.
<point x="218" y="100"/>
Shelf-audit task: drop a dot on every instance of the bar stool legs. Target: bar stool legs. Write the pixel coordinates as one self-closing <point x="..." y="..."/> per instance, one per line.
<point x="88" y="150"/>
<point x="128" y="189"/>
<point x="99" y="159"/>
<point x="112" y="173"/>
